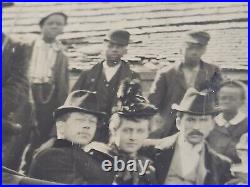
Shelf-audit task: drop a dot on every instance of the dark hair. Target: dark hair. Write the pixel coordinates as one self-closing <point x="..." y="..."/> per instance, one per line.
<point x="42" y="21"/>
<point x="235" y="84"/>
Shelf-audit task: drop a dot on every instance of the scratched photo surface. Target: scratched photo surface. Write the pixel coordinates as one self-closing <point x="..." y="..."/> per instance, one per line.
<point x="125" y="93"/>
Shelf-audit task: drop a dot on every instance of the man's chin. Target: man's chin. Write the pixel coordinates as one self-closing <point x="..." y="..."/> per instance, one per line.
<point x="195" y="139"/>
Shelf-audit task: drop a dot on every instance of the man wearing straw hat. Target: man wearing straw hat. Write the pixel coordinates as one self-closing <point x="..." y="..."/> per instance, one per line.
<point x="189" y="159"/>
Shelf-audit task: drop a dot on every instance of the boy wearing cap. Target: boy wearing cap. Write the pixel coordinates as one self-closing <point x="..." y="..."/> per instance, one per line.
<point x="129" y="128"/>
<point x="171" y="83"/>
<point x="189" y="159"/>
<point x="232" y="122"/>
<point x="48" y="72"/>
<point x="106" y="76"/>
<point x="66" y="162"/>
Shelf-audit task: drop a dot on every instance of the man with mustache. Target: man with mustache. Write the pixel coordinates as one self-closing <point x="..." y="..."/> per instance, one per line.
<point x="67" y="162"/>
<point x="189" y="159"/>
<point x="172" y="82"/>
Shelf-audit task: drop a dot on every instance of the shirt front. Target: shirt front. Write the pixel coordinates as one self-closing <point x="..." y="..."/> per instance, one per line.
<point x="185" y="163"/>
<point x="43" y="60"/>
<point x="110" y="71"/>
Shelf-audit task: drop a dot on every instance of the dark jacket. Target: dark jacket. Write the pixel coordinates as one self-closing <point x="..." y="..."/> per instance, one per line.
<point x="217" y="166"/>
<point x="95" y="80"/>
<point x="68" y="164"/>
<point x="15" y="84"/>
<point x="224" y="139"/>
<point x="170" y="86"/>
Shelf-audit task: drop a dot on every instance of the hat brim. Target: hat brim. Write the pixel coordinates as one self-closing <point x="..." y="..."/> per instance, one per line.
<point x="68" y="109"/>
<point x="136" y="115"/>
<point x="179" y="108"/>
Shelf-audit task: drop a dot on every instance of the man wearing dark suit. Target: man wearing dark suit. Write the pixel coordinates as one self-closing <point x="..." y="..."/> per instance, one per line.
<point x="67" y="162"/>
<point x="171" y="83"/>
<point x="189" y="159"/>
<point x="15" y="90"/>
<point x="106" y="77"/>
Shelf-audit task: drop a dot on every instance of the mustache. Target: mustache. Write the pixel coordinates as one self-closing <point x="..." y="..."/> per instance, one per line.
<point x="198" y="133"/>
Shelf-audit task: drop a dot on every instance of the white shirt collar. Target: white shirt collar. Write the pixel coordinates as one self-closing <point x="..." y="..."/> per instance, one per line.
<point x="221" y="121"/>
<point x="57" y="46"/>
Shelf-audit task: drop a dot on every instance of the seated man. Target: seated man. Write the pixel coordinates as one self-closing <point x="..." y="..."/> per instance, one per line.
<point x="129" y="128"/>
<point x="66" y="162"/>
<point x="231" y="123"/>
<point x="188" y="159"/>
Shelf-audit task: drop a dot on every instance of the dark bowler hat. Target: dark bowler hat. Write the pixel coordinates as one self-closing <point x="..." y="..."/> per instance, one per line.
<point x="197" y="103"/>
<point x="198" y="37"/>
<point x="132" y="104"/>
<point x="120" y="37"/>
<point x="43" y="19"/>
<point x="7" y="4"/>
<point x="80" y="101"/>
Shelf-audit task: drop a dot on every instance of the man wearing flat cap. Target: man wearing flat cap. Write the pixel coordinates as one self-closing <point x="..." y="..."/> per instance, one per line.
<point x="67" y="162"/>
<point x="171" y="83"/>
<point x="106" y="76"/>
<point x="189" y="159"/>
<point x="129" y="128"/>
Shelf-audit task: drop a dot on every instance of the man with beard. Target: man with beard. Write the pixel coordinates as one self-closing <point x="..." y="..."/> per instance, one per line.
<point x="67" y="162"/>
<point x="106" y="77"/>
<point x="189" y="159"/>
<point x="171" y="83"/>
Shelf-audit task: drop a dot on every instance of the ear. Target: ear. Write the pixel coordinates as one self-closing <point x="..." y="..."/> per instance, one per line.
<point x="60" y="125"/>
<point x="178" y="123"/>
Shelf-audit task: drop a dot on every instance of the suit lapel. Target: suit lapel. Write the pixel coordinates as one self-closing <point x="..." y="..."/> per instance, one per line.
<point x="162" y="163"/>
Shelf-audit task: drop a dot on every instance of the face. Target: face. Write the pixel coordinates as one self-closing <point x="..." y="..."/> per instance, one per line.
<point x="195" y="128"/>
<point x="230" y="98"/>
<point x="114" y="52"/>
<point x="131" y="135"/>
<point x="53" y="26"/>
<point x="194" y="52"/>
<point x="80" y="128"/>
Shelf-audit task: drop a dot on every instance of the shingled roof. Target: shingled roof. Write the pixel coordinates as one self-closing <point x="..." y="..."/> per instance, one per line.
<point x="156" y="28"/>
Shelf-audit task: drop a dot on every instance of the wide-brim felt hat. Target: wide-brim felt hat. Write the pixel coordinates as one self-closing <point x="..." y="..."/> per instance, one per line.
<point x="197" y="103"/>
<point x="120" y="37"/>
<point x="80" y="101"/>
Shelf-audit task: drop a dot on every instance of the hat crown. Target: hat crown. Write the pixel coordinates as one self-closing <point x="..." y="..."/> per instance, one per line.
<point x="198" y="37"/>
<point x="195" y="102"/>
<point x="81" y="101"/>
<point x="120" y="37"/>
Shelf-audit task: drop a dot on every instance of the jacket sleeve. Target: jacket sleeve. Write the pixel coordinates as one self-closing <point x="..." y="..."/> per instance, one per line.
<point x="158" y="90"/>
<point x="62" y="80"/>
<point x="16" y="86"/>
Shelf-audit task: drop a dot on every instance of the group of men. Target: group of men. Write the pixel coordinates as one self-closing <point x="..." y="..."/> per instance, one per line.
<point x="103" y="130"/>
